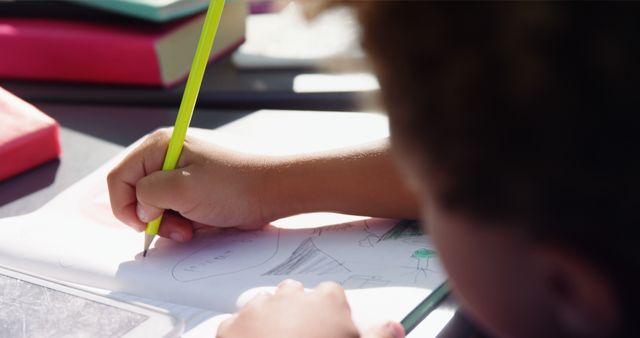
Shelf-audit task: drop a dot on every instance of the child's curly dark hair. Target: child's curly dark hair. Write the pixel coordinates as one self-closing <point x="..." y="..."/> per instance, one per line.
<point x="526" y="112"/>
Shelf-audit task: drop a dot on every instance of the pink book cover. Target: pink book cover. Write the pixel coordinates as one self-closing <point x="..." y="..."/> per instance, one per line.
<point x="55" y="49"/>
<point x="28" y="137"/>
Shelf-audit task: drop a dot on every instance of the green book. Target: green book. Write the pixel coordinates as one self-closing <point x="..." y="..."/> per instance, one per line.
<point x="152" y="10"/>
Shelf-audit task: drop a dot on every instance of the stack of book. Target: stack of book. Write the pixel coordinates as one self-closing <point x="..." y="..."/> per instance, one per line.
<point x="127" y="42"/>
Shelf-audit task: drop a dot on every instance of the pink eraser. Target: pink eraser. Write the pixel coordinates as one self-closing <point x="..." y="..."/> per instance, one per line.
<point x="28" y="137"/>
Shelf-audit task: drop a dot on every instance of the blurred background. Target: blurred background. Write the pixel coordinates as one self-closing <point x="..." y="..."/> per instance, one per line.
<point x="138" y="52"/>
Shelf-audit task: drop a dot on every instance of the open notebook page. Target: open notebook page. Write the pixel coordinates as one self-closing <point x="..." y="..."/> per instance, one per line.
<point x="75" y="238"/>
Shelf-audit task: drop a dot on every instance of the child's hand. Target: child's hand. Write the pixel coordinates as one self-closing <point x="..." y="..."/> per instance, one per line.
<point x="292" y="312"/>
<point x="221" y="188"/>
<point x="211" y="186"/>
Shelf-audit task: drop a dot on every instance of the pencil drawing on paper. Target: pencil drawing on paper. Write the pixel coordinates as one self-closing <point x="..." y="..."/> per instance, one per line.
<point x="405" y="230"/>
<point x="228" y="254"/>
<point x="307" y="258"/>
<point x="335" y="228"/>
<point x="364" y="281"/>
<point x="370" y="239"/>
<point x="357" y="255"/>
<point x="422" y="256"/>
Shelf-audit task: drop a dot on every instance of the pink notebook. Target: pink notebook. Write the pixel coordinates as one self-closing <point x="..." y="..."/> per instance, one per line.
<point x="28" y="137"/>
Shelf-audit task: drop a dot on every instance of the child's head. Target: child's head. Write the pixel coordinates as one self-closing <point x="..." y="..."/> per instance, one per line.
<point x="518" y="125"/>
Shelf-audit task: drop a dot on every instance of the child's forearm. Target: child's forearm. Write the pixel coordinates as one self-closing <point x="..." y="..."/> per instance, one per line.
<point x="360" y="181"/>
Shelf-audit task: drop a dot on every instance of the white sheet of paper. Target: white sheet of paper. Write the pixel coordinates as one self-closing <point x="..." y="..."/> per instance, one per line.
<point x="385" y="265"/>
<point x="287" y="39"/>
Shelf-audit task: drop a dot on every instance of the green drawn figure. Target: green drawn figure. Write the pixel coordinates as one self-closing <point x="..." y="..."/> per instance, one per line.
<point x="422" y="255"/>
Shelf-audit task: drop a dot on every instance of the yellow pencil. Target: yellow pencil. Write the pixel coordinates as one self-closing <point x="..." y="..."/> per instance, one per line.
<point x="188" y="102"/>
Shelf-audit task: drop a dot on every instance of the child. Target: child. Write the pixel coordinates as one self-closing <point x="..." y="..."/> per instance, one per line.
<point x="514" y="128"/>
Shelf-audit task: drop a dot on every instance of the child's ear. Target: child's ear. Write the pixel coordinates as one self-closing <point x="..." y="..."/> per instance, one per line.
<point x="581" y="296"/>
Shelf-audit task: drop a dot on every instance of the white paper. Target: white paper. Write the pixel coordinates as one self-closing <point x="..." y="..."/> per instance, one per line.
<point x="287" y="39"/>
<point x="386" y="267"/>
<point x="214" y="269"/>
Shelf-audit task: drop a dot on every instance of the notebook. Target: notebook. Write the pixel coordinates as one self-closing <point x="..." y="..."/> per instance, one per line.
<point x="75" y="239"/>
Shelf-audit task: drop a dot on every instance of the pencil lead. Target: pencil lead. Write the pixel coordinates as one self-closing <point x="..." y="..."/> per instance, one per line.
<point x="148" y="239"/>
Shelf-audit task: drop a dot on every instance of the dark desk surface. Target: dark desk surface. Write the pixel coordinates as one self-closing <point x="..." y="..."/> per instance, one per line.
<point x="93" y="134"/>
<point x="223" y="87"/>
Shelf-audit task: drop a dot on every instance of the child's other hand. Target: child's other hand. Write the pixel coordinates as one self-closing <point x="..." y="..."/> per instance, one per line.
<point x="211" y="186"/>
<point x="292" y="312"/>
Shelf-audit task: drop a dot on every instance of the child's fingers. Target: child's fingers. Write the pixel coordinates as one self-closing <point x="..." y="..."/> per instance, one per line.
<point x="289" y="286"/>
<point x="122" y="195"/>
<point x="165" y="190"/>
<point x="333" y="290"/>
<point x="225" y="326"/>
<point x="122" y="179"/>
<point x="388" y="330"/>
<point x="123" y="203"/>
<point x="175" y="227"/>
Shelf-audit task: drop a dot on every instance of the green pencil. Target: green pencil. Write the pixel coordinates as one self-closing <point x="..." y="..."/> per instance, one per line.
<point x="422" y="310"/>
<point x="200" y="60"/>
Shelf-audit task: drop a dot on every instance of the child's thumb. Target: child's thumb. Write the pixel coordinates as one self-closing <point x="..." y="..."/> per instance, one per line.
<point x="387" y="330"/>
<point x="162" y="190"/>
